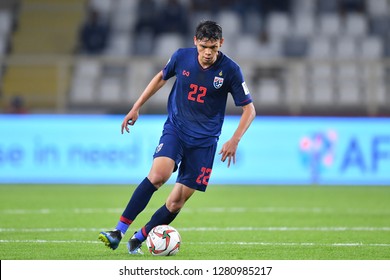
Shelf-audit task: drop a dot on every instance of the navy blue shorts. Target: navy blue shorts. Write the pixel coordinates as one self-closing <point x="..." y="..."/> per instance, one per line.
<point x="194" y="163"/>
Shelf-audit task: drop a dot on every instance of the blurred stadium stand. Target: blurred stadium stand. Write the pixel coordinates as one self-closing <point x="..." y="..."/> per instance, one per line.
<point x="300" y="57"/>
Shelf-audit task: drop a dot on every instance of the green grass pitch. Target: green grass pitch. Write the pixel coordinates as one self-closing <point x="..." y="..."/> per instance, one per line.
<point x="58" y="222"/>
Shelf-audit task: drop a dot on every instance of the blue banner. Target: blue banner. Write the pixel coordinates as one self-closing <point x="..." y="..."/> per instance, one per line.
<point x="275" y="150"/>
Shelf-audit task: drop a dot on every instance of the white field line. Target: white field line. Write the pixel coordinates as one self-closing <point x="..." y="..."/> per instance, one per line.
<point x="315" y="210"/>
<point x="298" y="244"/>
<point x="324" y="229"/>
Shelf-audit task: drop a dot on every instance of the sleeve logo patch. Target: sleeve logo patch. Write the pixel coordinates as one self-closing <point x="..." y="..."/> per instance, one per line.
<point x="245" y="87"/>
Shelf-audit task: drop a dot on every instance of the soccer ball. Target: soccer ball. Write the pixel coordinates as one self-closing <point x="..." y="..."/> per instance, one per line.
<point x="163" y="240"/>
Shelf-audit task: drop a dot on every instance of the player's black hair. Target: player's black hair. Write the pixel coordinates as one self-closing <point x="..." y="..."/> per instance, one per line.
<point x="209" y="30"/>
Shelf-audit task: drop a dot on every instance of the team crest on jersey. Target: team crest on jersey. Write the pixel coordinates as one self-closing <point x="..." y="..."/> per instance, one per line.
<point x="218" y="82"/>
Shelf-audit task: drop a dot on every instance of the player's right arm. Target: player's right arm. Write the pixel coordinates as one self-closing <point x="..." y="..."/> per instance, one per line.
<point x="155" y="84"/>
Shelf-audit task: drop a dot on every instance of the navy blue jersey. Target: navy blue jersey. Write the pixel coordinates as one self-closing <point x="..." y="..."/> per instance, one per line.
<point x="197" y="102"/>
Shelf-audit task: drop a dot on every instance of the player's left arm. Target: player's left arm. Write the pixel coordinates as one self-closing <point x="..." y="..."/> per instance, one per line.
<point x="154" y="85"/>
<point x="229" y="149"/>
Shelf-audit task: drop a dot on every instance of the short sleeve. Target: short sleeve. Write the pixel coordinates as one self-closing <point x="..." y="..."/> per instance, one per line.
<point x="239" y="89"/>
<point x="170" y="68"/>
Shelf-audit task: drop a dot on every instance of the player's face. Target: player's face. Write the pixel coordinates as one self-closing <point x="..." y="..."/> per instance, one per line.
<point x="207" y="51"/>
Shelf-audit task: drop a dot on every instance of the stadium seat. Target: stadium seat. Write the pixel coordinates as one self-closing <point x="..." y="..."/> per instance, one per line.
<point x="119" y="44"/>
<point x="122" y="21"/>
<point x="278" y="25"/>
<point x="110" y="90"/>
<point x="303" y="7"/>
<point x="124" y="16"/>
<point x="348" y="71"/>
<point x="377" y="8"/>
<point x="371" y="48"/>
<point x="268" y="92"/>
<point x="87" y="68"/>
<point x="231" y="23"/>
<point x="104" y="7"/>
<point x="320" y="48"/>
<point x="5" y="22"/>
<point x="271" y="49"/>
<point x="355" y="25"/>
<point x="379" y="26"/>
<point x="297" y="85"/>
<point x="252" y="23"/>
<point x="295" y="46"/>
<point x="143" y="44"/>
<point x="379" y="94"/>
<point x="349" y="93"/>
<point x="321" y="93"/>
<point x="320" y="81"/>
<point x="304" y="25"/>
<point x="329" y="25"/>
<point x="138" y="74"/>
<point x="345" y="48"/>
<point x="83" y="91"/>
<point x="167" y="43"/>
<point x="85" y="76"/>
<point x="248" y="46"/>
<point x="126" y="5"/>
<point x="321" y="71"/>
<point x="328" y="6"/>
<point x="374" y="81"/>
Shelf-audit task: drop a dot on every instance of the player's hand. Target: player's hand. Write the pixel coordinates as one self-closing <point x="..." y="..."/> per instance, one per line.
<point x="228" y="151"/>
<point x="129" y="119"/>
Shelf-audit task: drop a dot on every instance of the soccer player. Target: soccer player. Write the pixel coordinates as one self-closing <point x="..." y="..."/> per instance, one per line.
<point x="196" y="111"/>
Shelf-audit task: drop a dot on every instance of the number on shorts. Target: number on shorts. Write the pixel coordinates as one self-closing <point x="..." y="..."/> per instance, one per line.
<point x="204" y="176"/>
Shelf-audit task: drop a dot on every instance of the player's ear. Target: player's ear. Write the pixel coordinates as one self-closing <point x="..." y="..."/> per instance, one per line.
<point x="195" y="40"/>
<point x="221" y="42"/>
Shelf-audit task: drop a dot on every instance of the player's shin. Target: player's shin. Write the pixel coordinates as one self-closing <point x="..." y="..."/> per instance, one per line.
<point x="161" y="217"/>
<point x="138" y="201"/>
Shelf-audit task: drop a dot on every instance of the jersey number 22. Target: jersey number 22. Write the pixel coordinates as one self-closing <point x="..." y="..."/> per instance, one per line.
<point x="197" y="93"/>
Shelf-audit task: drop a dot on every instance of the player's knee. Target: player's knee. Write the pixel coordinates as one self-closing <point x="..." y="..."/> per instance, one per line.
<point x="157" y="179"/>
<point x="174" y="206"/>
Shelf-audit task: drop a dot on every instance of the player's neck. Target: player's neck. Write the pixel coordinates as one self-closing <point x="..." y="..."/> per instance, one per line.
<point x="206" y="65"/>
